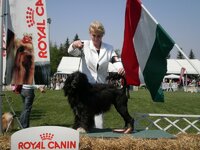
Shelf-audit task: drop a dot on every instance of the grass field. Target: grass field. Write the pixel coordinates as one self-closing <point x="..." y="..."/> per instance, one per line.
<point x="51" y="108"/>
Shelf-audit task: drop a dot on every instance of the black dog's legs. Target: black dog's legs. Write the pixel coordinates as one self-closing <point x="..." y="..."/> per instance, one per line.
<point x="87" y="121"/>
<point x="129" y="121"/>
<point x="83" y="119"/>
<point x="77" y="122"/>
<point x="122" y="108"/>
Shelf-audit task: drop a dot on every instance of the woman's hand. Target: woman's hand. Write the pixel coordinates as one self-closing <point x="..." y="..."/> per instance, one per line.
<point x="77" y="44"/>
<point x="121" y="71"/>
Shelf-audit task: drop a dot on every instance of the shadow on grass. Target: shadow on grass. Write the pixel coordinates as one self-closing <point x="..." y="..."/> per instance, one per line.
<point x="37" y="114"/>
<point x="62" y="125"/>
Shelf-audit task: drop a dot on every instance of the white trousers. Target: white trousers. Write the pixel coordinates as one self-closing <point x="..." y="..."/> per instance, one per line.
<point x="98" y="119"/>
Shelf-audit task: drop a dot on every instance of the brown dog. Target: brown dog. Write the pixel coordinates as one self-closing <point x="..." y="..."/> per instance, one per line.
<point x="7" y="121"/>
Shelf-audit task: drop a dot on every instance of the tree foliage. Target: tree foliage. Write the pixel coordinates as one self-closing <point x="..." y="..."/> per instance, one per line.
<point x="180" y="55"/>
<point x="66" y="46"/>
<point x="55" y="58"/>
<point x="191" y="55"/>
<point x="76" y="37"/>
<point x="56" y="53"/>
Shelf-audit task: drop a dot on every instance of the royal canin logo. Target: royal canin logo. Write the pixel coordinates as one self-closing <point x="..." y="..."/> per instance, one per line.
<point x="35" y="17"/>
<point x="30" y="17"/>
<point x="47" y="136"/>
<point x="47" y="143"/>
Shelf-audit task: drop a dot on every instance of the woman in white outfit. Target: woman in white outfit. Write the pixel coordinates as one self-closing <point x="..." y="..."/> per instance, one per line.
<point x="96" y="56"/>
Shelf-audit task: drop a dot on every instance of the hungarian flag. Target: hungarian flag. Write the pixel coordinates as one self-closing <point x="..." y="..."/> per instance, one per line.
<point x="145" y="48"/>
<point x="27" y="45"/>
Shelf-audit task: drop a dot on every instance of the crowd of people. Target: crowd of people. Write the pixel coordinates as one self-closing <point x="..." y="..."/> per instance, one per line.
<point x="176" y="84"/>
<point x="57" y="82"/>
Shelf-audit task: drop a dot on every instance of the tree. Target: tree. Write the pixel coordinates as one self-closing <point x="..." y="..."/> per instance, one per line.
<point x="76" y="37"/>
<point x="56" y="53"/>
<point x="65" y="48"/>
<point x="61" y="50"/>
<point x="180" y="55"/>
<point x="191" y="55"/>
<point x="55" y="58"/>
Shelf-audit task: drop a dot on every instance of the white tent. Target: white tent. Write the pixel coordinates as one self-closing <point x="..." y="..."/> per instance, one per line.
<point x="70" y="64"/>
<point x="174" y="66"/>
<point x="172" y="76"/>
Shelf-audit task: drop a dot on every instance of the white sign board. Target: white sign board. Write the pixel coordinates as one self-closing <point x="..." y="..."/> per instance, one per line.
<point x="45" y="138"/>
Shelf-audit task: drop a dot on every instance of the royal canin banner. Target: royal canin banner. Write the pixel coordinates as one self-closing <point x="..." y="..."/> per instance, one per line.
<point x="28" y="58"/>
<point x="45" y="138"/>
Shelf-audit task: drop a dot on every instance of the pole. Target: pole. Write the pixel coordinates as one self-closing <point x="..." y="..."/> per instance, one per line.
<point x="187" y="58"/>
<point x="49" y="23"/>
<point x="1" y="60"/>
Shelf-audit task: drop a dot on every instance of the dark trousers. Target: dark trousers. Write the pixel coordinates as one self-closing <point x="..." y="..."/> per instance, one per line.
<point x="28" y="96"/>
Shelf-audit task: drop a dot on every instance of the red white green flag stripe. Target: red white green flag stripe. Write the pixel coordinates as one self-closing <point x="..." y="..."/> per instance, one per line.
<point x="145" y="48"/>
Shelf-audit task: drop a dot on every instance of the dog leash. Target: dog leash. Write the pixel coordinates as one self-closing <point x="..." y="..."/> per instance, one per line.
<point x="82" y="55"/>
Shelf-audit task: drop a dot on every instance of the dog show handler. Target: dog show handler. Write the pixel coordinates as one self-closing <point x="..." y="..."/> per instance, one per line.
<point x="95" y="58"/>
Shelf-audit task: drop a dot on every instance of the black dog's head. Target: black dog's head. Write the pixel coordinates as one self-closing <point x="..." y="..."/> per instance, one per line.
<point x="116" y="79"/>
<point x="76" y="82"/>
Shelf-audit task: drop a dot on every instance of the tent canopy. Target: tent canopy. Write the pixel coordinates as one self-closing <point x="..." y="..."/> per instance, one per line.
<point x="70" y="64"/>
<point x="172" y="76"/>
<point x="174" y="66"/>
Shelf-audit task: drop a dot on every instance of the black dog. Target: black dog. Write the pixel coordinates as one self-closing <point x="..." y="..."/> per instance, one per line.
<point x="88" y="100"/>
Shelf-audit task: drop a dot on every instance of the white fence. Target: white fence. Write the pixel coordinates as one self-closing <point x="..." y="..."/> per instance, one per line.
<point x="171" y="123"/>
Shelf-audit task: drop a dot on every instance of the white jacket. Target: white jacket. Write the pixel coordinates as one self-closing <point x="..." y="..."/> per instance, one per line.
<point x="91" y="59"/>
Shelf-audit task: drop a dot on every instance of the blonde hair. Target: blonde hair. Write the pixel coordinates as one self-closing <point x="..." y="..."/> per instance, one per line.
<point x="97" y="28"/>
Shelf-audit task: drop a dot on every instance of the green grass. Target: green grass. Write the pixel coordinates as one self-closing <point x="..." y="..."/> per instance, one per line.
<point x="52" y="108"/>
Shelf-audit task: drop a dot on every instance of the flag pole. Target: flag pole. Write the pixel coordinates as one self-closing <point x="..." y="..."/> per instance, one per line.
<point x="1" y="60"/>
<point x="175" y="43"/>
<point x="179" y="49"/>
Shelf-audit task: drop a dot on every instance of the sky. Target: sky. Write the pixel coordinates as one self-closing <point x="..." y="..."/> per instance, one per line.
<point x="179" y="18"/>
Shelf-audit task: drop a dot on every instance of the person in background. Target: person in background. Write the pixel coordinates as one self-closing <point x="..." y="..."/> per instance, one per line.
<point x="96" y="56"/>
<point x="28" y="95"/>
